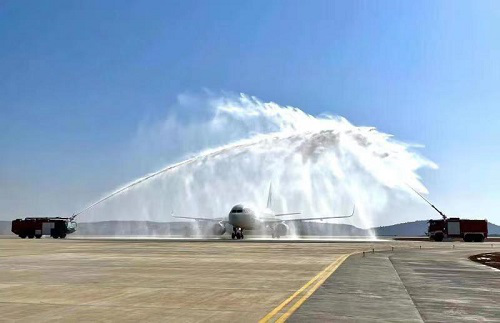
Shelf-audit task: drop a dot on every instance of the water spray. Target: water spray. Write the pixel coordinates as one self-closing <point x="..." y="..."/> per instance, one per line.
<point x="319" y="165"/>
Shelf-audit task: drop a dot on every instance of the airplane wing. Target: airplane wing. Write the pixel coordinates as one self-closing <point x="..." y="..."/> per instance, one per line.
<point x="198" y="219"/>
<point x="310" y="219"/>
<point x="281" y="214"/>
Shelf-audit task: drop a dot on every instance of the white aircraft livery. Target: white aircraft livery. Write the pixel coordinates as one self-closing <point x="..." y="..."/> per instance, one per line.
<point x="242" y="218"/>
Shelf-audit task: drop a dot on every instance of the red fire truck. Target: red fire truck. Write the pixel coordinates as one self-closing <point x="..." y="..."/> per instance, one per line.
<point x="36" y="227"/>
<point x="468" y="230"/>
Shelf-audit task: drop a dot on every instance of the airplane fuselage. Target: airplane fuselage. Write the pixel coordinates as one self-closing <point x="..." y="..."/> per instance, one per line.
<point x="243" y="218"/>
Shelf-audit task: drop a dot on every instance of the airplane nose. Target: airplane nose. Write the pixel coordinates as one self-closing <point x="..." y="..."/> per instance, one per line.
<point x="236" y="219"/>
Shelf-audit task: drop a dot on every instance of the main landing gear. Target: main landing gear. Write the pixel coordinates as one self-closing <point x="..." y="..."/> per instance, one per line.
<point x="237" y="233"/>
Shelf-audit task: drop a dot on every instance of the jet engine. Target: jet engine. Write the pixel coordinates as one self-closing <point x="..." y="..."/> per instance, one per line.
<point x="280" y="229"/>
<point x="218" y="229"/>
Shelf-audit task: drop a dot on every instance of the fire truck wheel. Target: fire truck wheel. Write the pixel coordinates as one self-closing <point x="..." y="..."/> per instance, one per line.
<point x="62" y="236"/>
<point x="38" y="236"/>
<point x="22" y="236"/>
<point x="31" y="236"/>
<point x="55" y="236"/>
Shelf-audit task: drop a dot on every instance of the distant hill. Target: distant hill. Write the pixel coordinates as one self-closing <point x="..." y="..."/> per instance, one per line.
<point x="5" y="227"/>
<point x="149" y="228"/>
<point x="328" y="229"/>
<point x="407" y="229"/>
<point x="493" y="229"/>
<point x="128" y="228"/>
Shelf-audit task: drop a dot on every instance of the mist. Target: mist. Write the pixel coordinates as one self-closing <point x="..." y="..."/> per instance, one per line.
<point x="227" y="149"/>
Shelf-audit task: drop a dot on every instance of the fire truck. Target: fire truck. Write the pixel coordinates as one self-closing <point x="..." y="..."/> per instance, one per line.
<point x="37" y="227"/>
<point x="468" y="230"/>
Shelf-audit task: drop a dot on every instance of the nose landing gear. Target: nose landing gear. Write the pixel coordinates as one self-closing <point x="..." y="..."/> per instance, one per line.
<point x="237" y="233"/>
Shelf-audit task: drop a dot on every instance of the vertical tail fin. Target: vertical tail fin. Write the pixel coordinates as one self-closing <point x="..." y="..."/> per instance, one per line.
<point x="270" y="196"/>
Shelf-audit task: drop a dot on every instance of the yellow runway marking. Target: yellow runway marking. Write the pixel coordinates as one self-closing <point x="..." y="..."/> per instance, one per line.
<point x="319" y="279"/>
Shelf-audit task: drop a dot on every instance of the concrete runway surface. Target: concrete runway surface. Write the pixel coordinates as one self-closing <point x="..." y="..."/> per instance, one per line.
<point x="194" y="281"/>
<point x="416" y="285"/>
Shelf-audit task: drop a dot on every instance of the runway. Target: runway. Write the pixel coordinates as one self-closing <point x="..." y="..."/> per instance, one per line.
<point x="175" y="280"/>
<point x="415" y="285"/>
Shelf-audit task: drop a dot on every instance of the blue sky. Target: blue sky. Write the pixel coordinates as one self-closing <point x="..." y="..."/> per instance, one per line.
<point x="78" y="77"/>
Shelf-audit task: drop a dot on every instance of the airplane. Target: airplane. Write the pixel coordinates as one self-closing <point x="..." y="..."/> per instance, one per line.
<point x="242" y="218"/>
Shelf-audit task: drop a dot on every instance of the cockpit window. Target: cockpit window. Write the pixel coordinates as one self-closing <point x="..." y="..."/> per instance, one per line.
<point x="238" y="209"/>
